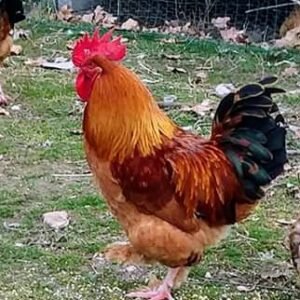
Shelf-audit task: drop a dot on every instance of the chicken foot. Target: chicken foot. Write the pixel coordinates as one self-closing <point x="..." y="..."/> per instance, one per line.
<point x="162" y="292"/>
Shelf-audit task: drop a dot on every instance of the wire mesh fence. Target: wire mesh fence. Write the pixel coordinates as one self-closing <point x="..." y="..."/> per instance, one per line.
<point x="261" y="18"/>
<point x="252" y="15"/>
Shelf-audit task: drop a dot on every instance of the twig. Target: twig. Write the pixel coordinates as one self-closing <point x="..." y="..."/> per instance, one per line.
<point x="72" y="175"/>
<point x="94" y="269"/>
<point x="293" y="152"/>
<point x="261" y="286"/>
<point x="284" y="62"/>
<point x="245" y="237"/>
<point x="54" y="6"/>
<point x="169" y="105"/>
<point x="270" y="7"/>
<point x="148" y="69"/>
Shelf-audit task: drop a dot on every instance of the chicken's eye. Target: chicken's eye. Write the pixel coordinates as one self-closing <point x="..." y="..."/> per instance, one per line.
<point x="298" y="35"/>
<point x="89" y="70"/>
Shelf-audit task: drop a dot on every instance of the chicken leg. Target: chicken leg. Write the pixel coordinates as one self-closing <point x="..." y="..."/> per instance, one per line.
<point x="3" y="97"/>
<point x="162" y="292"/>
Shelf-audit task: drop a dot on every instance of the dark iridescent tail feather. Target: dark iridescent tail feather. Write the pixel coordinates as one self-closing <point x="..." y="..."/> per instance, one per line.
<point x="253" y="140"/>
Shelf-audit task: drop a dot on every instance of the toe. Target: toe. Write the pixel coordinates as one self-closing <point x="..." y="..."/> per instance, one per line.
<point x="163" y="296"/>
<point x="146" y="294"/>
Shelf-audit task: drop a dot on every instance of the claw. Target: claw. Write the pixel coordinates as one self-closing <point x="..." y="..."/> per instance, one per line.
<point x="163" y="294"/>
<point x="160" y="292"/>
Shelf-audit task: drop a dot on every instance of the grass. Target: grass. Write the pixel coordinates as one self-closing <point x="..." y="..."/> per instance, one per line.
<point x="39" y="141"/>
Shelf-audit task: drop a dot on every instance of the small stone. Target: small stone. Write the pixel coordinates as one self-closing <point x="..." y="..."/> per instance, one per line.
<point x="56" y="219"/>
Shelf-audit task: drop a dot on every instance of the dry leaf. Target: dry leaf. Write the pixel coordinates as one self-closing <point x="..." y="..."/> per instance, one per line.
<point x="56" y="219"/>
<point x="224" y="89"/>
<point x="34" y="62"/>
<point x="171" y="56"/>
<point x="188" y="128"/>
<point x="76" y="132"/>
<point x="16" y="107"/>
<point x="285" y="222"/>
<point x="295" y="130"/>
<point x="172" y="30"/>
<point x="109" y="21"/>
<point x="220" y="22"/>
<point x="104" y="18"/>
<point x="246" y="289"/>
<point x="124" y="40"/>
<point x="87" y="18"/>
<point x="99" y="15"/>
<point x="172" y="27"/>
<point x="290" y="71"/>
<point x="276" y="271"/>
<point x="186" y="27"/>
<point x="11" y="225"/>
<point x="59" y="63"/>
<point x="176" y="70"/>
<point x="4" y="112"/>
<point x="229" y="34"/>
<point x="67" y="65"/>
<point x="65" y="13"/>
<point x="16" y="50"/>
<point x="169" y="40"/>
<point x="70" y="45"/>
<point x="21" y="34"/>
<point x="169" y="99"/>
<point x="267" y="255"/>
<point x="201" y="109"/>
<point x="130" y="24"/>
<point x="152" y="29"/>
<point x="200" y="77"/>
<point x="234" y="35"/>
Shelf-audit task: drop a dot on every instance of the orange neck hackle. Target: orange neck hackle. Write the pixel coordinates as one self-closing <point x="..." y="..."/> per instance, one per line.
<point x="121" y="117"/>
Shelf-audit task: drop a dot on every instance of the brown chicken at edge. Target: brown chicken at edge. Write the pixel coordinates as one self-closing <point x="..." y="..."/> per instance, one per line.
<point x="6" y="40"/>
<point x="11" y="12"/>
<point x="173" y="192"/>
<point x="290" y="30"/>
<point x="294" y="239"/>
<point x="291" y="22"/>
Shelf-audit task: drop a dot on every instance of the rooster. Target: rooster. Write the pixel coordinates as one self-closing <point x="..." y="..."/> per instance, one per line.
<point x="11" y="12"/>
<point x="291" y="22"/>
<point x="290" y="30"/>
<point x="174" y="192"/>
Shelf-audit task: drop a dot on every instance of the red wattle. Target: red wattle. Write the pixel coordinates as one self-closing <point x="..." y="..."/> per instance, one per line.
<point x="83" y="87"/>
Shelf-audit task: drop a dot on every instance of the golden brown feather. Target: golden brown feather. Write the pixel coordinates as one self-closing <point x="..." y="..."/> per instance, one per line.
<point x="6" y="40"/>
<point x="291" y="22"/>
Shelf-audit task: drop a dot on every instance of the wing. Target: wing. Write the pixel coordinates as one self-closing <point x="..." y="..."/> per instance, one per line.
<point x="187" y="180"/>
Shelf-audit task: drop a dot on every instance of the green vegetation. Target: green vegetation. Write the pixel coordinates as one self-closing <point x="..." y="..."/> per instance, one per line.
<point x="40" y="141"/>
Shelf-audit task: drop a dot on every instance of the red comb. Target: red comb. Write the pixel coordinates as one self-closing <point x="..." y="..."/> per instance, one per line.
<point x="96" y="44"/>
